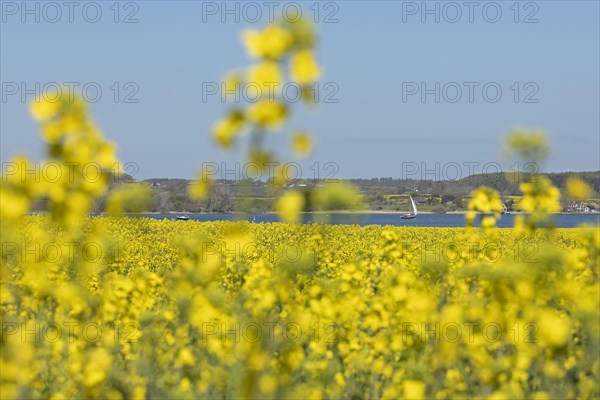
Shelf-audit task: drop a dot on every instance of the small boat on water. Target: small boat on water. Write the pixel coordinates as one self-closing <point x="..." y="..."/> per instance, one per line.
<point x="412" y="215"/>
<point x="183" y="218"/>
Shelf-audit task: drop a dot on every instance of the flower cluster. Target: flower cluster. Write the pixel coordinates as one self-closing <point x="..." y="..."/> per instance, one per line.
<point x="80" y="164"/>
<point x="284" y="53"/>
<point x="275" y="47"/>
<point x="487" y="201"/>
<point x="540" y="198"/>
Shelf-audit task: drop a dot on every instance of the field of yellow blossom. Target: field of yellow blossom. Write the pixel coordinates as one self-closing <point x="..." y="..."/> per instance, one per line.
<point x="171" y="309"/>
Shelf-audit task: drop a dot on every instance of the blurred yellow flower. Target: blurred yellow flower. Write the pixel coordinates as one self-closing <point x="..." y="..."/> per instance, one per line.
<point x="43" y="109"/>
<point x="337" y="196"/>
<point x="184" y="385"/>
<point x="553" y="329"/>
<point x="304" y="68"/>
<point x="529" y="146"/>
<point x="539" y="195"/>
<point x="263" y="80"/>
<point x="279" y="176"/>
<point x="185" y="357"/>
<point x="131" y="198"/>
<point x="107" y="157"/>
<point x="339" y="379"/>
<point x="578" y="189"/>
<point x="12" y="204"/>
<point x="53" y="131"/>
<point x="261" y="158"/>
<point x="488" y="222"/>
<point x="414" y="390"/>
<point x="484" y="200"/>
<point x="303" y="33"/>
<point x="269" y="114"/>
<point x="289" y="206"/>
<point x="99" y="362"/>
<point x="272" y="42"/>
<point x="541" y="396"/>
<point x="232" y="82"/>
<point x="302" y="144"/>
<point x="228" y="128"/>
<point x="200" y="188"/>
<point x="267" y="384"/>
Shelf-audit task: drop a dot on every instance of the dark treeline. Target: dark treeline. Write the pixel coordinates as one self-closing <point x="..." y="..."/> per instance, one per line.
<point x="385" y="194"/>
<point x="379" y="193"/>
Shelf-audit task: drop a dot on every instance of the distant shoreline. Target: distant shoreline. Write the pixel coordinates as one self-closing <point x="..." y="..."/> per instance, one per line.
<point x="342" y="212"/>
<point x="336" y="212"/>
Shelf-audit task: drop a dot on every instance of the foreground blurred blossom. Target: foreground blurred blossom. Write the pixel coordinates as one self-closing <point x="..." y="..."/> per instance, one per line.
<point x="264" y="78"/>
<point x="302" y="144"/>
<point x="304" y="68"/>
<point x="267" y="114"/>
<point x="578" y="189"/>
<point x="487" y="201"/>
<point x="200" y="188"/>
<point x="529" y="146"/>
<point x="289" y="206"/>
<point x="337" y="196"/>
<point x="272" y="42"/>
<point x="227" y="129"/>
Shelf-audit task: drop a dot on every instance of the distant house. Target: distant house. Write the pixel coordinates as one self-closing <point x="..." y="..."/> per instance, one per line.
<point x="420" y="200"/>
<point x="581" y="207"/>
<point x="155" y="184"/>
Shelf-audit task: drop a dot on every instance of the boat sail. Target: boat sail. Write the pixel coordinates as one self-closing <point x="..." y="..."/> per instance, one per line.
<point x="414" y="206"/>
<point x="414" y="213"/>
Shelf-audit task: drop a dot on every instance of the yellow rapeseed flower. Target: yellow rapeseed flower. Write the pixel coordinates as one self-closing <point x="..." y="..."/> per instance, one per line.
<point x="485" y="200"/>
<point x="414" y="390"/>
<point x="53" y="131"/>
<point x="539" y="195"/>
<point x="12" y="204"/>
<point x="268" y="114"/>
<point x="131" y="198"/>
<point x="337" y="196"/>
<point x="99" y="362"/>
<point x="263" y="81"/>
<point x="271" y="42"/>
<point x="302" y="144"/>
<point x="529" y="146"/>
<point x="266" y="71"/>
<point x="232" y="82"/>
<point x="304" y="68"/>
<point x="578" y="189"/>
<point x="553" y="329"/>
<point x="289" y="206"/>
<point x="43" y="109"/>
<point x="200" y="188"/>
<point x="226" y="130"/>
<point x="185" y="357"/>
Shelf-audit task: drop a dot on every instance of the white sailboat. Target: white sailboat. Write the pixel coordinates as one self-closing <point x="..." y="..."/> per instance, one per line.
<point x="414" y="213"/>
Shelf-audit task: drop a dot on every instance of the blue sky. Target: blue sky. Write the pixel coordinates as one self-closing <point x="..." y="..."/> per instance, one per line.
<point x="374" y="53"/>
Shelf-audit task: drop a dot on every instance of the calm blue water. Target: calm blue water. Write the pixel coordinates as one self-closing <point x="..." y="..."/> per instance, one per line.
<point x="439" y="220"/>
